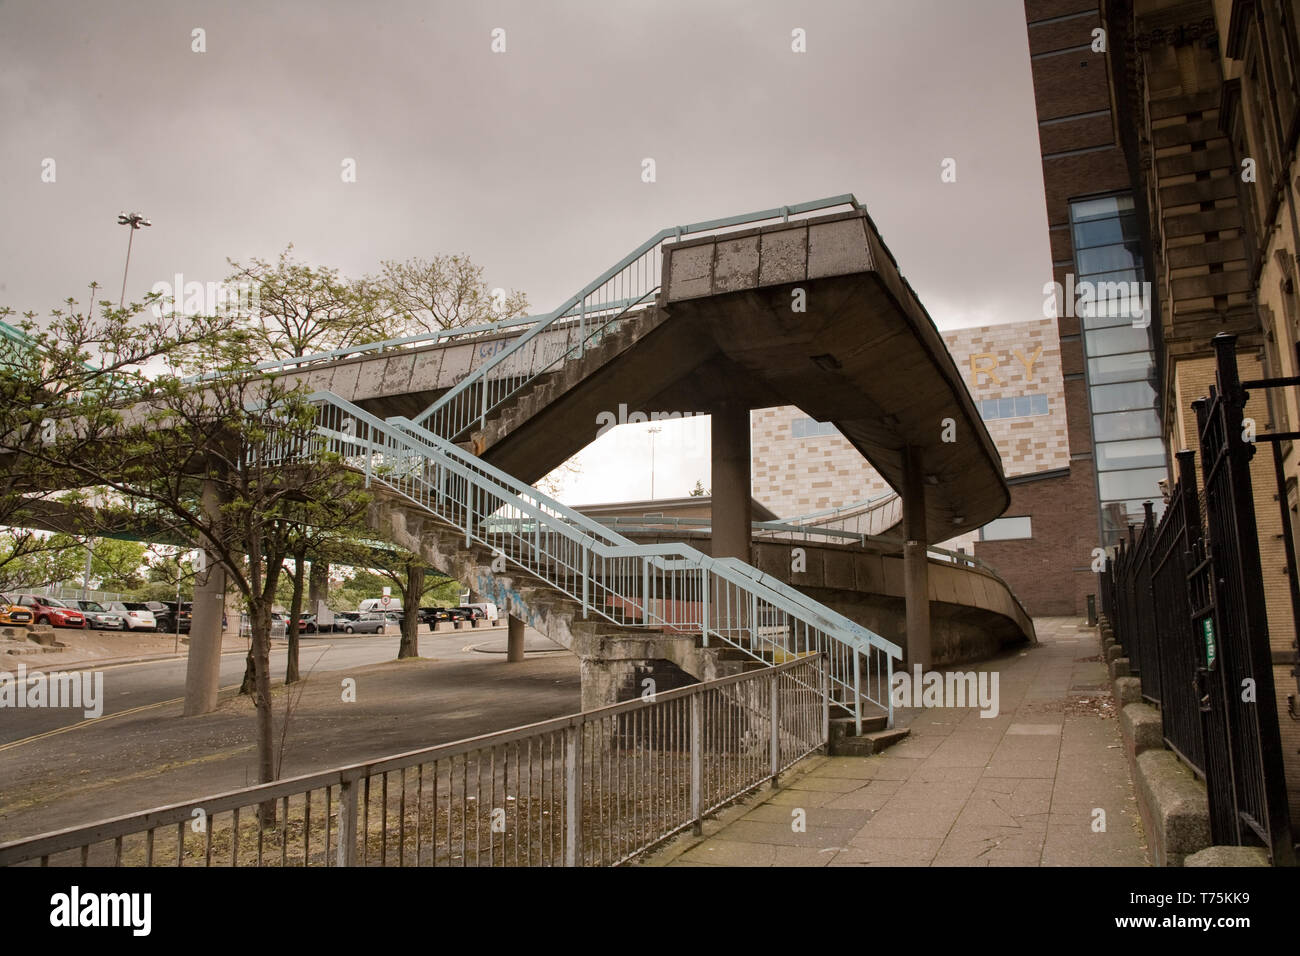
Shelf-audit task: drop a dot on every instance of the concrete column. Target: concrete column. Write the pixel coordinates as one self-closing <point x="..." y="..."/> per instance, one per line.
<point x="732" y="514"/>
<point x="203" y="665"/>
<point x="514" y="639"/>
<point x="318" y="585"/>
<point x="916" y="566"/>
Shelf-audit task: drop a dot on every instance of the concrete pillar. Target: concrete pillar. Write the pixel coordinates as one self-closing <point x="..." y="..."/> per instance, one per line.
<point x="203" y="665"/>
<point x="916" y="566"/>
<point x="514" y="639"/>
<point x="732" y="514"/>
<point x="318" y="586"/>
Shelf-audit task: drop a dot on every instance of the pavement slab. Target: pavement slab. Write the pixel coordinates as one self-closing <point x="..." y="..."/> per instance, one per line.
<point x="1022" y="788"/>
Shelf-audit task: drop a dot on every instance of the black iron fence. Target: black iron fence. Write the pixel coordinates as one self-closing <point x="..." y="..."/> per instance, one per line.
<point x="1185" y="598"/>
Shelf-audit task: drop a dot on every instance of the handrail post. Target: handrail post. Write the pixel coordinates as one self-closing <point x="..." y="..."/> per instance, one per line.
<point x="697" y="765"/>
<point x="704" y="605"/>
<point x="645" y="592"/>
<point x="857" y="691"/>
<point x="346" y="854"/>
<point x="889" y="691"/>
<point x="586" y="579"/>
<point x="826" y="697"/>
<point x="582" y="324"/>
<point x="573" y="796"/>
<point x="776" y="728"/>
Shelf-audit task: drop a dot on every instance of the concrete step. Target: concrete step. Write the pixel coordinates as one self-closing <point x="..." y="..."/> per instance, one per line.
<point x="875" y="738"/>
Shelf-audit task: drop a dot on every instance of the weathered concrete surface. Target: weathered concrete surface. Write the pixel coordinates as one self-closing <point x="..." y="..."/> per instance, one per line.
<point x="864" y="353"/>
<point x="1174" y="807"/>
<point x="1142" y="726"/>
<point x="1228" y="856"/>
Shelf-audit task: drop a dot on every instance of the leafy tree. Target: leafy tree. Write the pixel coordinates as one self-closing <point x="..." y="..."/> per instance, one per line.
<point x="81" y="359"/>
<point x="23" y="566"/>
<point x="296" y="309"/>
<point x="234" y="464"/>
<point x="699" y="491"/>
<point x="445" y="292"/>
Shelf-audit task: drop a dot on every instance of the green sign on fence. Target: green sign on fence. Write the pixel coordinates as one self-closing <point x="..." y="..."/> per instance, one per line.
<point x="1207" y="628"/>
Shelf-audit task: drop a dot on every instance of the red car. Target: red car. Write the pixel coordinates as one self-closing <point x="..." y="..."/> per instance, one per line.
<point x="51" y="611"/>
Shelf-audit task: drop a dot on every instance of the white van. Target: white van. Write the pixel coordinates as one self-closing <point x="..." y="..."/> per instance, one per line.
<point x="377" y="604"/>
<point x="489" y="610"/>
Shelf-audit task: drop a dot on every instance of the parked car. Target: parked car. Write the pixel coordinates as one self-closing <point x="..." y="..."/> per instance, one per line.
<point x="369" y="623"/>
<point x="471" y="612"/>
<point x="307" y="624"/>
<point x="164" y="613"/>
<point x="14" y="614"/>
<point x="489" y="610"/>
<point x="135" y="615"/>
<point x="100" y="617"/>
<point x="433" y="615"/>
<point x="52" y="611"/>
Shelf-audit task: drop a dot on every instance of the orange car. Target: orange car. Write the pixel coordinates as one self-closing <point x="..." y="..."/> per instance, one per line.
<point x="13" y="614"/>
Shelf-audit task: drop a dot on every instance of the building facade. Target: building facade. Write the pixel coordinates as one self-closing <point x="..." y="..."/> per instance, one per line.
<point x="1014" y="372"/>
<point x="1185" y="112"/>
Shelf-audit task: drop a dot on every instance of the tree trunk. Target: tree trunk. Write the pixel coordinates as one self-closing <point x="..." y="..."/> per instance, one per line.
<point x="295" y="611"/>
<point x="248" y="686"/>
<point x="410" y="646"/>
<point x="260" y="619"/>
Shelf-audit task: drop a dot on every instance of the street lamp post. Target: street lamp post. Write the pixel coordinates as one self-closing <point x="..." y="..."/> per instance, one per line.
<point x="135" y="221"/>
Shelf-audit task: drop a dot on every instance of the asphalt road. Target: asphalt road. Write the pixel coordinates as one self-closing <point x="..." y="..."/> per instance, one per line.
<point x="133" y="685"/>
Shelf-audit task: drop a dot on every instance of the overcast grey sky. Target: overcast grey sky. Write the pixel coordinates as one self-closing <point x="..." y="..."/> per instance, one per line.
<point x="527" y="160"/>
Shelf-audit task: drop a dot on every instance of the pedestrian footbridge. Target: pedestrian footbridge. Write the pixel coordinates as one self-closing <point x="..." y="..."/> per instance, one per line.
<point x="800" y="305"/>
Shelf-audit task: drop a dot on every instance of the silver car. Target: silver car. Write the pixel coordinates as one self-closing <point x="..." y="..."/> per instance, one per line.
<point x="369" y="623"/>
<point x="100" y="617"/>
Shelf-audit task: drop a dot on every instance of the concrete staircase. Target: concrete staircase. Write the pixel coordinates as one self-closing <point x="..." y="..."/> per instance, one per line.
<point x="615" y="659"/>
<point x="558" y="413"/>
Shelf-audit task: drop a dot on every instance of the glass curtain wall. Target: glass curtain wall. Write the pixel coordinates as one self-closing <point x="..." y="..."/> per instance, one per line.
<point x="1113" y="304"/>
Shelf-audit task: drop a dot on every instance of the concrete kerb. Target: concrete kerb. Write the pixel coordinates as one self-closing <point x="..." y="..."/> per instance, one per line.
<point x="1171" y="800"/>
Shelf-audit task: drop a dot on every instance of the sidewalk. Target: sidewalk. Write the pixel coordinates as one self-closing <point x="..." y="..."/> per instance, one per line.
<point x="1019" y="789"/>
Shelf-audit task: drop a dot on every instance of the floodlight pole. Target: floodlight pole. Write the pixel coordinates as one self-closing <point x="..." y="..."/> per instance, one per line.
<point x="135" y="221"/>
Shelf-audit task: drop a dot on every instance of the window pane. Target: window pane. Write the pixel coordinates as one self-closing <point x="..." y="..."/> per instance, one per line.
<point x="1107" y="258"/>
<point x="1138" y="453"/>
<point x="1121" y="425"/>
<point x="1004" y="529"/>
<point x="1006" y="408"/>
<point x="1098" y="208"/>
<point x="1116" y="516"/>
<point x="1114" y="398"/>
<point x="1110" y="341"/>
<point x="1136" y="366"/>
<point x="1022" y="406"/>
<point x="1038" y="404"/>
<point x="1131" y="484"/>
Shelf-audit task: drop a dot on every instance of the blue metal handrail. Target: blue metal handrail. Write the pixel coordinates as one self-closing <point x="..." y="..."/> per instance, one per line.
<point x="456" y="410"/>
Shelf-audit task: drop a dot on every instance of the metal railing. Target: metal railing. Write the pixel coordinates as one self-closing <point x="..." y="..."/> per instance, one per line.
<point x="784" y="531"/>
<point x="592" y="313"/>
<point x="1186" y="600"/>
<point x="667" y="586"/>
<point x="591" y="789"/>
